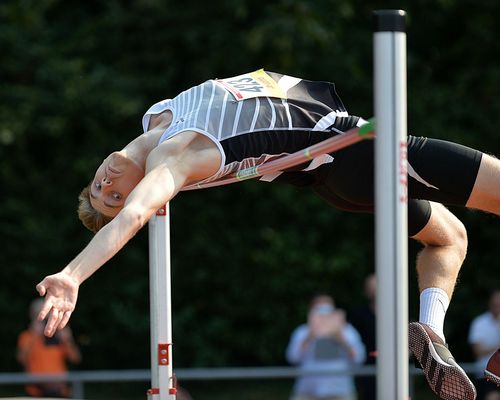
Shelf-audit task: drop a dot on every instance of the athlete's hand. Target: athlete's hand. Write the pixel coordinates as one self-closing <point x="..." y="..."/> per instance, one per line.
<point x="60" y="291"/>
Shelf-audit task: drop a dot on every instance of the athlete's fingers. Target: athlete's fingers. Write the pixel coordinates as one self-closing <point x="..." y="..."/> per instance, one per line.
<point x="59" y="319"/>
<point x="50" y="328"/>
<point x="47" y="306"/>
<point x="65" y="319"/>
<point x="41" y="288"/>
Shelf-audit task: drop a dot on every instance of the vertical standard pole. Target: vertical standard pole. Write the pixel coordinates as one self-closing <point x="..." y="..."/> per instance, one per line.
<point x="162" y="384"/>
<point x="391" y="231"/>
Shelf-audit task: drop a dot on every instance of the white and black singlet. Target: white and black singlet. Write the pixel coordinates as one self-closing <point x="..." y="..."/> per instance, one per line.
<point x="256" y="117"/>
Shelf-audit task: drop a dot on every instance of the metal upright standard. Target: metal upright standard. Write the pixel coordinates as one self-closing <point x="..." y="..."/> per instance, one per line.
<point x="162" y="381"/>
<point x="391" y="231"/>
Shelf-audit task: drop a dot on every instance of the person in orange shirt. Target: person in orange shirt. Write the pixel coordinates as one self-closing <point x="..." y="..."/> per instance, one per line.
<point x="42" y="355"/>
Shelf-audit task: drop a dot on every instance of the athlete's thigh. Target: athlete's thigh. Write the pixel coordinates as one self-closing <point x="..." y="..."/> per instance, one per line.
<point x="347" y="184"/>
<point x="351" y="174"/>
<point x="441" y="171"/>
<point x="486" y="191"/>
<point x="419" y="211"/>
<point x="438" y="170"/>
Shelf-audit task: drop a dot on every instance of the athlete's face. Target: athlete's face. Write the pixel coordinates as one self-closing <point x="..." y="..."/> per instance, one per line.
<point x="115" y="178"/>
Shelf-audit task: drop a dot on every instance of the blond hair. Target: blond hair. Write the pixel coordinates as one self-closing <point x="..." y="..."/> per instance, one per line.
<point x="92" y="219"/>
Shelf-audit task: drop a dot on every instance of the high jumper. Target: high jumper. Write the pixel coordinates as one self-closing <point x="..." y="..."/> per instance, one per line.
<point x="222" y="126"/>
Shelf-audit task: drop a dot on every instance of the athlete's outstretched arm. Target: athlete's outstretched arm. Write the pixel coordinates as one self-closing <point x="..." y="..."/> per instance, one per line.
<point x="165" y="176"/>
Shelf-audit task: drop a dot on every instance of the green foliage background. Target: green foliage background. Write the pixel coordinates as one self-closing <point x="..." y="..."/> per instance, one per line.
<point x="76" y="78"/>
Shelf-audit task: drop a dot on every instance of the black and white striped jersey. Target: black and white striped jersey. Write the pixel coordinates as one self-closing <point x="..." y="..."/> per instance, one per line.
<point x="256" y="117"/>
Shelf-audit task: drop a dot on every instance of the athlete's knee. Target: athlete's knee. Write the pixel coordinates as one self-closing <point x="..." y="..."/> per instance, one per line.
<point x="457" y="237"/>
<point x="461" y="241"/>
<point x="444" y="230"/>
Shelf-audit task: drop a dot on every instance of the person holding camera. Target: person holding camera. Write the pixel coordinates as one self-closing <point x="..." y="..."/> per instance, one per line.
<point x="484" y="338"/>
<point x="326" y="342"/>
<point x="39" y="354"/>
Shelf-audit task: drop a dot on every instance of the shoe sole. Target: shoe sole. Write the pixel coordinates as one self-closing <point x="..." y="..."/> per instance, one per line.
<point x="492" y="377"/>
<point x="448" y="381"/>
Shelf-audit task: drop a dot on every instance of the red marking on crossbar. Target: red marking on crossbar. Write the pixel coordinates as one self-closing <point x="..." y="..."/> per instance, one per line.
<point x="172" y="391"/>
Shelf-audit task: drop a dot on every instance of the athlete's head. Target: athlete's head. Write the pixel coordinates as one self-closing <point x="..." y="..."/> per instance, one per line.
<point x="105" y="196"/>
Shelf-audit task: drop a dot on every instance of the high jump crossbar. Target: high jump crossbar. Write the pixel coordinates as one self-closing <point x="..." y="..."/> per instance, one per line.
<point x="389" y="68"/>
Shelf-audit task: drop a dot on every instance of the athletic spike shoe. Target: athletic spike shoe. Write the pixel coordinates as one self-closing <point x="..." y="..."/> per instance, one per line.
<point x="445" y="377"/>
<point x="492" y="371"/>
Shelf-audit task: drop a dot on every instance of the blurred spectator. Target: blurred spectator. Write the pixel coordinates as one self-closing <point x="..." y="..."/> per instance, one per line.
<point x="363" y="319"/>
<point x="484" y="337"/>
<point x="327" y="341"/>
<point x="182" y="394"/>
<point x="492" y="395"/>
<point x="42" y="355"/>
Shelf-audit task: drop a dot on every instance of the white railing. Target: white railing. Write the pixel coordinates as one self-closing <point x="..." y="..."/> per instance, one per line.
<point x="78" y="378"/>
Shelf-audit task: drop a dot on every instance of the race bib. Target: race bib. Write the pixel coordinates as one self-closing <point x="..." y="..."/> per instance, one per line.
<point x="253" y="84"/>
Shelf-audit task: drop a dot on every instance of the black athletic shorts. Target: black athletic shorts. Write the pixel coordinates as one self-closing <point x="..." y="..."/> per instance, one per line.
<point x="438" y="171"/>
